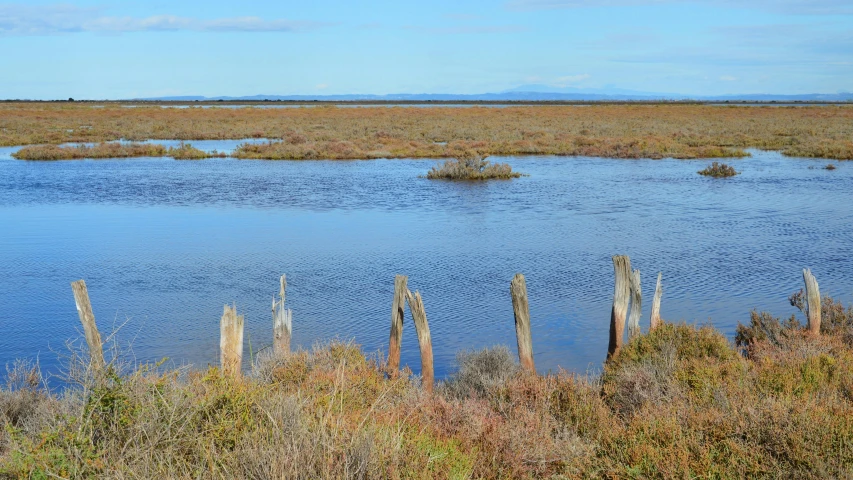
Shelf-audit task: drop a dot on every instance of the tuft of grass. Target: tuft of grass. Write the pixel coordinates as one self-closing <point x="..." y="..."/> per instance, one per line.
<point x="718" y="170"/>
<point x="471" y="166"/>
<point x="186" y="151"/>
<point x="830" y="166"/>
<point x="480" y="372"/>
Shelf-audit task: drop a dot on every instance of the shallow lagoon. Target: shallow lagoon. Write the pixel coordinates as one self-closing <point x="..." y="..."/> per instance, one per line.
<point x="163" y="244"/>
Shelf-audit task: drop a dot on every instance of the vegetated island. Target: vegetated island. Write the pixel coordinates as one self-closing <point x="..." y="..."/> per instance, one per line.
<point x="471" y="166"/>
<point x="718" y="170"/>
<point x="184" y="151"/>
<point x="329" y="132"/>
<point x="679" y="401"/>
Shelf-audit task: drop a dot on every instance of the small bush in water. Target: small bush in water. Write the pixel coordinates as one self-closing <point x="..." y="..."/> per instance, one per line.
<point x="719" y="170"/>
<point x="187" y="152"/>
<point x="471" y="166"/>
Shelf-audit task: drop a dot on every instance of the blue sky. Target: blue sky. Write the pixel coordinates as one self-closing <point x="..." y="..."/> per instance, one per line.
<point x="116" y="49"/>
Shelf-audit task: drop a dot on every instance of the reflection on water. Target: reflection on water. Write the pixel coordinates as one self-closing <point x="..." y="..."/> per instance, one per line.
<point x="163" y="244"/>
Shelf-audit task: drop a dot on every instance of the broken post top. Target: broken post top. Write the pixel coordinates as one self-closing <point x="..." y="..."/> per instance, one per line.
<point x="396" y="334"/>
<point x="521" y="311"/>
<point x="621" y="298"/>
<point x="87" y="318"/>
<point x="813" y="302"/>
<point x="622" y="268"/>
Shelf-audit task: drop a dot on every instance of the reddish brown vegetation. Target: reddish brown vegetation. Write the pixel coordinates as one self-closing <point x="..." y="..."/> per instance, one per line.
<point x="616" y="131"/>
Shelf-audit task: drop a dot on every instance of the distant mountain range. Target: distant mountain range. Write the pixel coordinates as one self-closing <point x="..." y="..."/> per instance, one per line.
<point x="530" y="93"/>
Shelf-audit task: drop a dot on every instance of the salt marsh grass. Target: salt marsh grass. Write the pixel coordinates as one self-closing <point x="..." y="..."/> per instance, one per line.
<point x="613" y="131"/>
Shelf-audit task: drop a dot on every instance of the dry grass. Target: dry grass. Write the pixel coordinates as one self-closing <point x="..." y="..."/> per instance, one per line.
<point x="615" y="131"/>
<point x="682" y="402"/>
<point x="718" y="170"/>
<point x="186" y="151"/>
<point x="111" y="150"/>
<point x="471" y="166"/>
<point x="101" y="150"/>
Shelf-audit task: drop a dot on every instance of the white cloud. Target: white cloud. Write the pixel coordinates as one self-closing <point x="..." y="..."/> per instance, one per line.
<point x="468" y="29"/>
<point x="728" y="78"/>
<point x="18" y="19"/>
<point x="321" y="86"/>
<point x="819" y="7"/>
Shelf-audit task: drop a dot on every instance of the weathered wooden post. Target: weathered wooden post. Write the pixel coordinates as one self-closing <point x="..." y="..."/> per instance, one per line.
<point x="621" y="296"/>
<point x="231" y="341"/>
<point x="397" y="313"/>
<point x="282" y="321"/>
<point x="636" y="305"/>
<point x="521" y="309"/>
<point x="654" y="321"/>
<point x="416" y="306"/>
<point x="87" y="318"/>
<point x="812" y="301"/>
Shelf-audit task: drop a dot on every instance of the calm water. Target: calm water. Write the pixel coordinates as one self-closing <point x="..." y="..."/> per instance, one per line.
<point x="163" y="244"/>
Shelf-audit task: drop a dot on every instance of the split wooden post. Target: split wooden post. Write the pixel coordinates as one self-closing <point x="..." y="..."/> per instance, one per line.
<point x="87" y="318"/>
<point x="397" y="313"/>
<point x="812" y="301"/>
<point x="654" y="321"/>
<point x="621" y="296"/>
<point x="231" y="341"/>
<point x="416" y="306"/>
<point x="282" y="321"/>
<point x="521" y="309"/>
<point x="636" y="305"/>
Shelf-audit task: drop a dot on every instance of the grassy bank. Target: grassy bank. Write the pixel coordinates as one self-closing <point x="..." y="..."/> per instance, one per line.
<point x="615" y="131"/>
<point x="111" y="150"/>
<point x="101" y="150"/>
<point x="683" y="401"/>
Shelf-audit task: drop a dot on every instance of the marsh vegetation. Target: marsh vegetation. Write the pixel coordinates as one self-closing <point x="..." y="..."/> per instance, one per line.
<point x="327" y="132"/>
<point x="680" y="400"/>
<point x="186" y="151"/>
<point x="100" y="150"/>
<point x="718" y="170"/>
<point x="471" y="166"/>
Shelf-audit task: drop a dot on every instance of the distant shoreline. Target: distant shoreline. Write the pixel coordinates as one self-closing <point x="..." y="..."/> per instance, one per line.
<point x="436" y="102"/>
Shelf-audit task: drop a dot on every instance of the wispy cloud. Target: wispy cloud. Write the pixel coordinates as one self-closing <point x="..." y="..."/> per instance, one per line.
<point x="18" y="19"/>
<point x="728" y="78"/>
<point x="468" y="29"/>
<point x="812" y="7"/>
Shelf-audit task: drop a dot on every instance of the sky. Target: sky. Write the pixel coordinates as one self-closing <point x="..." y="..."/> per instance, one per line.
<point x="117" y="49"/>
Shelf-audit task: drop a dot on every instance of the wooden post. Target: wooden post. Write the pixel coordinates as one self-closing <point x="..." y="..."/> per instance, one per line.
<point x="812" y="301"/>
<point x="521" y="309"/>
<point x="282" y="321"/>
<point x="231" y="342"/>
<point x="654" y="321"/>
<point x="416" y="306"/>
<point x="636" y="305"/>
<point x="621" y="296"/>
<point x="87" y="318"/>
<point x="397" y="313"/>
